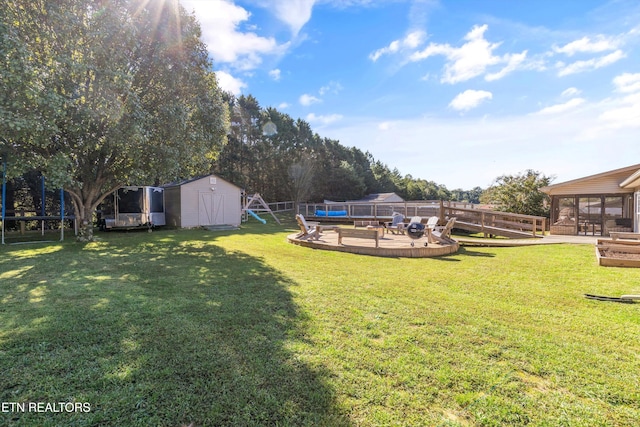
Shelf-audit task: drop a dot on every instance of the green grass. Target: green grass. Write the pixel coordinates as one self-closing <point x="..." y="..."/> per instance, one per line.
<point x="242" y="328"/>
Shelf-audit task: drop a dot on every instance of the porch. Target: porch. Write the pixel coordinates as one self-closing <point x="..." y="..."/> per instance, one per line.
<point x="591" y="215"/>
<point x="596" y="205"/>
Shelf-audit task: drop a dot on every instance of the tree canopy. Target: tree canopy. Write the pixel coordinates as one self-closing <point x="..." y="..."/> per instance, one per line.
<point x="519" y="193"/>
<point x="98" y="94"/>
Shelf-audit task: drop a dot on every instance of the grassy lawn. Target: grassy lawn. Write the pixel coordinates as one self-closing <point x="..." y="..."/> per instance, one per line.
<point x="241" y="328"/>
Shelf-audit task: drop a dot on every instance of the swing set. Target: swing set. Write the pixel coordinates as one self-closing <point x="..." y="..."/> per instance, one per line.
<point x="41" y="216"/>
<point x="255" y="204"/>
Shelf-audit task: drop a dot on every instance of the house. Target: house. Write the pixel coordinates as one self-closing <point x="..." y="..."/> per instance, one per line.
<point x="597" y="204"/>
<point x="203" y="201"/>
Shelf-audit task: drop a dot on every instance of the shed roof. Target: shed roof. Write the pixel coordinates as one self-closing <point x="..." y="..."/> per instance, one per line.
<point x="187" y="181"/>
<point x="615" y="181"/>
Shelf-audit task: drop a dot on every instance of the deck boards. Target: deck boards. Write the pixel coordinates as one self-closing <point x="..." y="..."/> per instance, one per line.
<point x="390" y="245"/>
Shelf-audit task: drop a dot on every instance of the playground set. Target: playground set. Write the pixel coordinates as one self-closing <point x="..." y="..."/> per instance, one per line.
<point x="255" y="204"/>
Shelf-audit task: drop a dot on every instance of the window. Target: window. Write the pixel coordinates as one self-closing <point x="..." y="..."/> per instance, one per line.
<point x="130" y="200"/>
<point x="613" y="208"/>
<point x="157" y="200"/>
<point x="566" y="211"/>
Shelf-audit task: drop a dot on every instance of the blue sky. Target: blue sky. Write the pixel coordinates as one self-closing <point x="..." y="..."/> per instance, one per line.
<point x="454" y="91"/>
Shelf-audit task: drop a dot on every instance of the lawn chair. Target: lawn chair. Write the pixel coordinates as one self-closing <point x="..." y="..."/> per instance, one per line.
<point x="396" y="226"/>
<point x="307" y="229"/>
<point x="432" y="223"/>
<point x="416" y="219"/>
<point x="443" y="234"/>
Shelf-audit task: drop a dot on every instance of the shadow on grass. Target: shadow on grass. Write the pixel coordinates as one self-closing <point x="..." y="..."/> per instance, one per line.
<point x="251" y="227"/>
<point x="475" y="252"/>
<point x="155" y="332"/>
<point x="454" y="257"/>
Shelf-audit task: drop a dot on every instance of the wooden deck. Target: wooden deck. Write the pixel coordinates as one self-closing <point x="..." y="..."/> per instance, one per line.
<point x="390" y="245"/>
<point x="487" y="222"/>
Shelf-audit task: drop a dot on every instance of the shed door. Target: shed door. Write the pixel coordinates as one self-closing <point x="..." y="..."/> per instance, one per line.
<point x="210" y="209"/>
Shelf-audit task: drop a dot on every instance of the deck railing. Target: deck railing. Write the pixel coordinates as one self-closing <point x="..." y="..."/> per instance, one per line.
<point x="370" y="210"/>
<point x="494" y="222"/>
<point x="469" y="216"/>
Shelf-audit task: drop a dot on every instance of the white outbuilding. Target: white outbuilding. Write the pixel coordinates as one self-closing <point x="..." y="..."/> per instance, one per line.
<point x="202" y="202"/>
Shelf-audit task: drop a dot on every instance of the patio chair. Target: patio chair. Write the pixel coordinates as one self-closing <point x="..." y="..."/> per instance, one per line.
<point x="416" y="219"/>
<point x="443" y="234"/>
<point x="396" y="226"/>
<point x="307" y="228"/>
<point x="432" y="222"/>
<point x="431" y="225"/>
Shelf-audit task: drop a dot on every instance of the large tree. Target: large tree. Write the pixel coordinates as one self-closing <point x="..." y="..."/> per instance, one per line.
<point x="107" y="93"/>
<point x="519" y="193"/>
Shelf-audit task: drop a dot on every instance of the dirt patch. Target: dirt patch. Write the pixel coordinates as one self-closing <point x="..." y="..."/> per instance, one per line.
<point x="619" y="255"/>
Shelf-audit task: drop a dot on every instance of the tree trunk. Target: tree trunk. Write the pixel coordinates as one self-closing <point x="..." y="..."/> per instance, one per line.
<point x="85" y="202"/>
<point x="85" y="231"/>
<point x="83" y="207"/>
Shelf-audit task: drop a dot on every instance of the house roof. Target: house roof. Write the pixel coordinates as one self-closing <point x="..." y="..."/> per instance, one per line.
<point x="633" y="181"/>
<point x="613" y="181"/>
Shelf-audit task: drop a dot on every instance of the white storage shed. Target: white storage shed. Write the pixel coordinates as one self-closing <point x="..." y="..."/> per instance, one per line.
<point x="202" y="202"/>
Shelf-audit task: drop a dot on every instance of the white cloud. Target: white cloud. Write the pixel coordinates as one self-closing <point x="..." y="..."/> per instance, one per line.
<point x="625" y="115"/>
<point x="586" y="45"/>
<point x="414" y="39"/>
<point x="561" y="108"/>
<point x="331" y="87"/>
<point x="323" y="120"/>
<point x="503" y="137"/>
<point x="283" y="106"/>
<point x="622" y="112"/>
<point x="307" y="100"/>
<point x="514" y="62"/>
<point x="627" y="82"/>
<point x="590" y="64"/>
<point x="393" y="47"/>
<point x="229" y="83"/>
<point x="411" y="41"/>
<point x="572" y="91"/>
<point x="469" y="99"/>
<point x="294" y="13"/>
<point x="275" y="74"/>
<point x="472" y="58"/>
<point x="220" y="21"/>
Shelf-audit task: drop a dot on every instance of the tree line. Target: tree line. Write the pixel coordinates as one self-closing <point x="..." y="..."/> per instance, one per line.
<point x="294" y="163"/>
